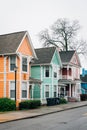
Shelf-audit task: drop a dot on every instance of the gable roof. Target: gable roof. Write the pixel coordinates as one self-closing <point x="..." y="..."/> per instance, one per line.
<point x="83" y="78"/>
<point x="9" y="43"/>
<point x="66" y="56"/>
<point x="44" y="55"/>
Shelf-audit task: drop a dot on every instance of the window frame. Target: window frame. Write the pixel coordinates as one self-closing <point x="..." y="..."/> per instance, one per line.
<point x="24" y="90"/>
<point x="55" y="76"/>
<point x="47" y="91"/>
<point x="45" y="73"/>
<point x="55" y="90"/>
<point x="15" y="64"/>
<point x="12" y="89"/>
<point x="26" y="64"/>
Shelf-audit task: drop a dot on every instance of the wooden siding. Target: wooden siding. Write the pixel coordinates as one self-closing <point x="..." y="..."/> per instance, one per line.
<point x="26" y="50"/>
<point x="25" y="47"/>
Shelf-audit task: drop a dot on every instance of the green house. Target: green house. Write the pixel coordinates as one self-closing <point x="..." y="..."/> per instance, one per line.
<point x="45" y="70"/>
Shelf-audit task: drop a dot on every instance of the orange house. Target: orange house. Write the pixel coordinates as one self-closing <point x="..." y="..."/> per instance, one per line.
<point x="16" y="49"/>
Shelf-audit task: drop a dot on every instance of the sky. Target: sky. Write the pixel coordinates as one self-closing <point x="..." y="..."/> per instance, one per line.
<point x="36" y="15"/>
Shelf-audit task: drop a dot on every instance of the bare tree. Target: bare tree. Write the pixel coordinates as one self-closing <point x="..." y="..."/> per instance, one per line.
<point x="63" y="34"/>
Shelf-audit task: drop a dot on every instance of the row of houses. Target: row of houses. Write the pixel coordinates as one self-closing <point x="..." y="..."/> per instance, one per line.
<point x="41" y="73"/>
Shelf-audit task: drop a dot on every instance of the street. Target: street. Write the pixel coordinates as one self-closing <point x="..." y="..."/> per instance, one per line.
<point x="74" y="119"/>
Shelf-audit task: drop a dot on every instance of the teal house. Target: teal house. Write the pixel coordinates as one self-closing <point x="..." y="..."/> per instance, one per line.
<point x="45" y="71"/>
<point x="83" y="78"/>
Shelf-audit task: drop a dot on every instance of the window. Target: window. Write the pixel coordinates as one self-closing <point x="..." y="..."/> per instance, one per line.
<point x="55" y="71"/>
<point x="24" y="64"/>
<point x="12" y="62"/>
<point x="24" y="90"/>
<point x="55" y="74"/>
<point x="47" y="71"/>
<point x="64" y="71"/>
<point x="12" y="89"/>
<point x="55" y="90"/>
<point x="47" y="91"/>
<point x="70" y="71"/>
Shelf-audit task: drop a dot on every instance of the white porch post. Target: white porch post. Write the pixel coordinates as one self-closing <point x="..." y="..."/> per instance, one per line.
<point x="64" y="91"/>
<point x="40" y="92"/>
<point x="70" y="90"/>
<point x="59" y="91"/>
<point x="32" y="90"/>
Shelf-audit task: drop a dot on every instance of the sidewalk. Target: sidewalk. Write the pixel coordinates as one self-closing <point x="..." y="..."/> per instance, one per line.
<point x="44" y="110"/>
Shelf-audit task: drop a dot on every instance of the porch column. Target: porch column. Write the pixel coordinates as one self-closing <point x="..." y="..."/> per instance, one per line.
<point x="40" y="92"/>
<point x="64" y="91"/>
<point x="70" y="90"/>
<point x="32" y="90"/>
<point x="59" y="91"/>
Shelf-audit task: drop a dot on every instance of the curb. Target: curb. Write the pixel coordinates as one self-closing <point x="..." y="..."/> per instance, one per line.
<point x="43" y="114"/>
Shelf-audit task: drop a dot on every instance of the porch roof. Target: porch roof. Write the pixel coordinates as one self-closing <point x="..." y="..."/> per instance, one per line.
<point x="35" y="81"/>
<point x="61" y="84"/>
<point x="67" y="81"/>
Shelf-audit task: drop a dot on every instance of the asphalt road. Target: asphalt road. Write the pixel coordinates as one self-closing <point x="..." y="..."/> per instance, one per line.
<point x="75" y="119"/>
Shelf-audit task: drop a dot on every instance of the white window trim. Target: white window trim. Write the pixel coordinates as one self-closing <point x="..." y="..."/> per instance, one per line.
<point x="27" y="90"/>
<point x="10" y="62"/>
<point x="45" y="71"/>
<point x="55" y="70"/>
<point x="56" y="76"/>
<point x="27" y="65"/>
<point x="56" y="90"/>
<point x="45" y="90"/>
<point x="9" y="89"/>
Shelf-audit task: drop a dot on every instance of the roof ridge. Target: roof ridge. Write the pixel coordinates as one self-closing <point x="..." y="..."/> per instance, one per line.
<point x="13" y="33"/>
<point x="44" y="48"/>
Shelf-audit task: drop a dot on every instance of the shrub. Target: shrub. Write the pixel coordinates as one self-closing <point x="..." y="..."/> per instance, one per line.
<point x="83" y="97"/>
<point x="7" y="104"/>
<point x="63" y="101"/>
<point x="29" y="104"/>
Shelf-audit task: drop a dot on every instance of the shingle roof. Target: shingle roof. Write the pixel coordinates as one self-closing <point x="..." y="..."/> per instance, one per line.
<point x="66" y="56"/>
<point x="83" y="78"/>
<point x="10" y="42"/>
<point x="44" y="55"/>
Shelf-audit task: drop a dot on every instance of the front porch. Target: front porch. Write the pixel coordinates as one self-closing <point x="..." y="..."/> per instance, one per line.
<point x="34" y="89"/>
<point x="70" y="90"/>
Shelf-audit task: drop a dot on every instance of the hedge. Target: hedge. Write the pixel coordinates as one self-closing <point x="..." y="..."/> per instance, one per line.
<point x="29" y="104"/>
<point x="63" y="101"/>
<point x="7" y="104"/>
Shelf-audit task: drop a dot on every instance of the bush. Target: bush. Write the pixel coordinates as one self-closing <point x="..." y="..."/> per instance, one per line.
<point x="7" y="104"/>
<point x="83" y="97"/>
<point x="29" y="104"/>
<point x="63" y="101"/>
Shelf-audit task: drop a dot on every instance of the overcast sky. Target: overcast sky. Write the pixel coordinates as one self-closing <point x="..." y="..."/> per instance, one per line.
<point x="36" y="15"/>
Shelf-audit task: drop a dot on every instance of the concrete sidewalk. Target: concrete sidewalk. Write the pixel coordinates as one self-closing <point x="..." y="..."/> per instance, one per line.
<point x="44" y="110"/>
